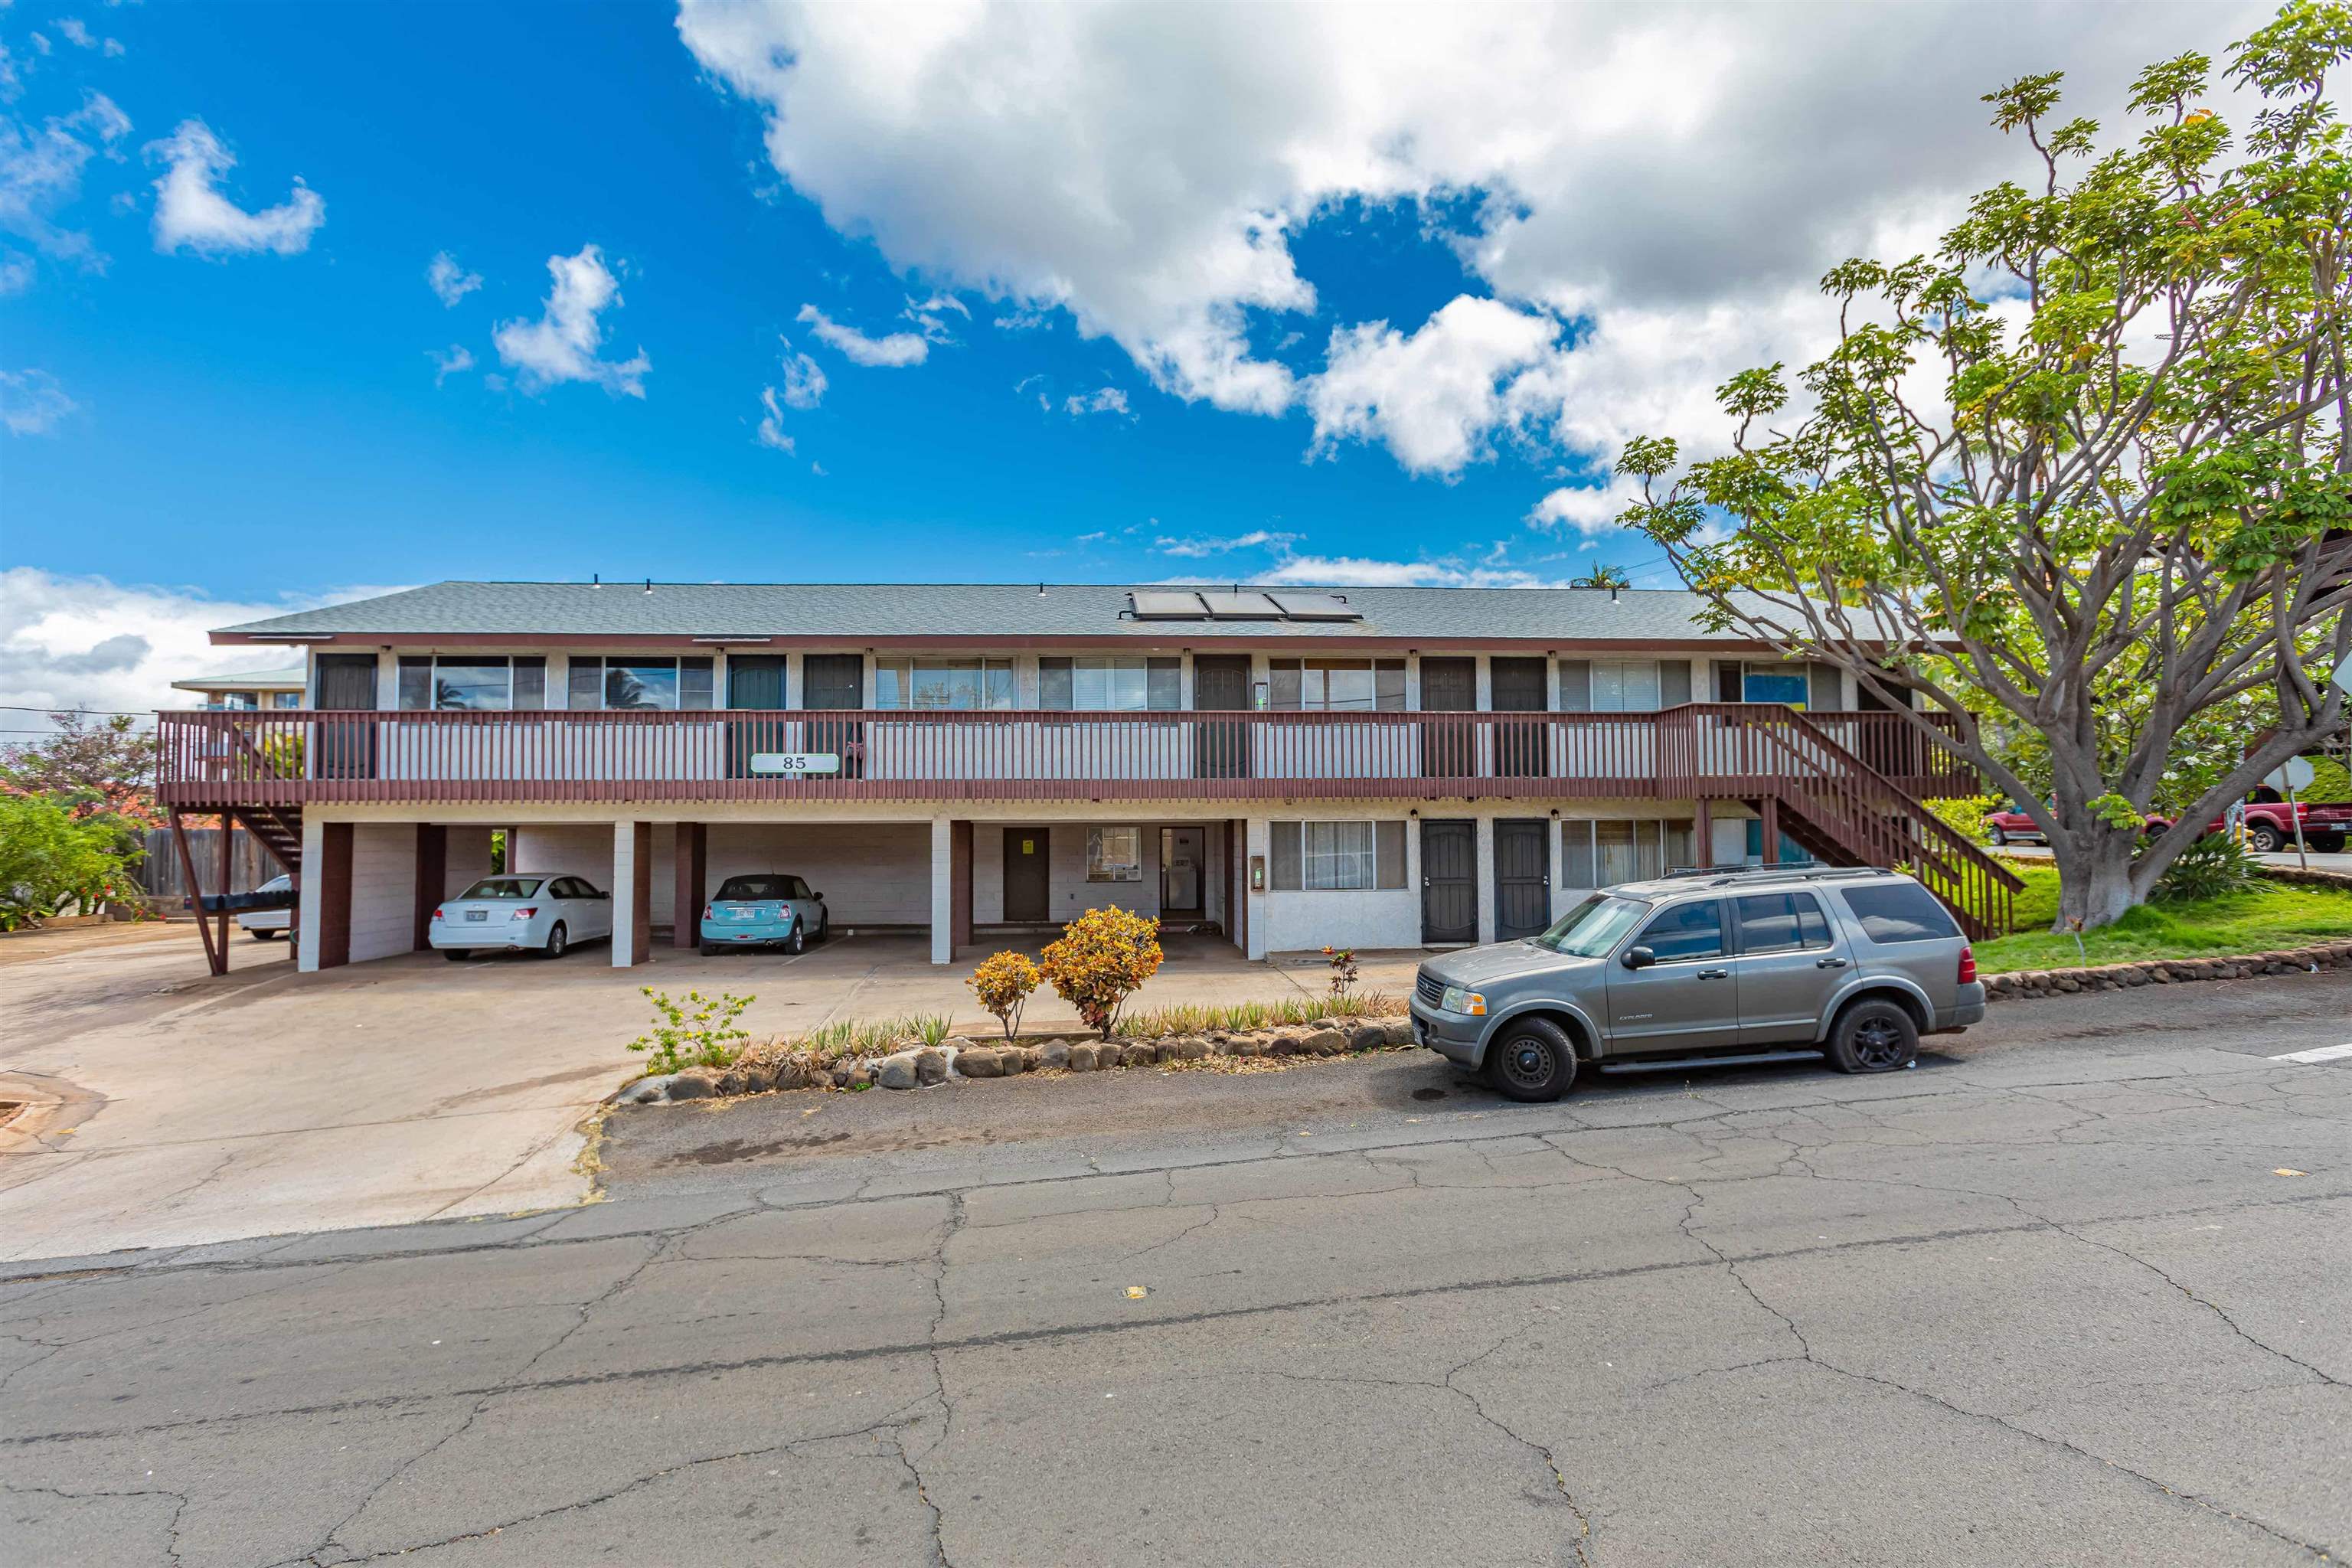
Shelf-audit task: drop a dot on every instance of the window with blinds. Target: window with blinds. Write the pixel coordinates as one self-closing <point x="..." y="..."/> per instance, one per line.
<point x="1337" y="856"/>
<point x="1623" y="685"/>
<point x="1111" y="684"/>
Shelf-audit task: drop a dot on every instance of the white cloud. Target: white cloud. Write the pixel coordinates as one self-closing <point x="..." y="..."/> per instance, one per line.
<point x="450" y="281"/>
<point x="898" y="349"/>
<point x="15" y="273"/>
<point x="1104" y="400"/>
<point x="32" y="403"/>
<point x="449" y="361"/>
<point x="40" y="174"/>
<point x="1360" y="572"/>
<point x="562" y="344"/>
<point x="805" y="381"/>
<point x="1194" y="548"/>
<point x="1433" y="397"/>
<point x="1670" y="180"/>
<point x="77" y="32"/>
<point x="1590" y="508"/>
<point x="771" y="428"/>
<point x="192" y="213"/>
<point x="68" y="642"/>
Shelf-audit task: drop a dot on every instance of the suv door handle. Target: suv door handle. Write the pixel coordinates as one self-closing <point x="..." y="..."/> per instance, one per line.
<point x="1829" y="963"/>
<point x="1714" y="974"/>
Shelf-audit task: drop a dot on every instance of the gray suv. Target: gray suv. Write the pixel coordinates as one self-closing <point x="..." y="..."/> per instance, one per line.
<point x="1737" y="965"/>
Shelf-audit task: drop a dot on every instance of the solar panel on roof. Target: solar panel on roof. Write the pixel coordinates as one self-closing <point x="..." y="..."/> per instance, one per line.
<point x="1241" y="607"/>
<point x="1153" y="605"/>
<point x="1316" y="608"/>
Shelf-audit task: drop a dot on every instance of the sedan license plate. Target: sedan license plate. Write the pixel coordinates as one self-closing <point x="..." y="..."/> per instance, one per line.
<point x="478" y="914"/>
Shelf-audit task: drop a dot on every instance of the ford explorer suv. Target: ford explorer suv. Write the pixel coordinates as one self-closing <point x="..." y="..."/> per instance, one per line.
<point x="1715" y="966"/>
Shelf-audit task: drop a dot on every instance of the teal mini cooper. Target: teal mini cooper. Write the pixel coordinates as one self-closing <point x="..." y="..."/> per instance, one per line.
<point x="766" y="910"/>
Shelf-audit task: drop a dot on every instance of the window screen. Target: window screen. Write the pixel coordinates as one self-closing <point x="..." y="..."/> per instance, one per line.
<point x="1389" y="852"/>
<point x="1285" y="845"/>
<point x="1114" y="854"/>
<point x="1624" y="686"/>
<point x="1576" y="686"/>
<point x="1054" y="686"/>
<point x="1900" y="911"/>
<point x="530" y="683"/>
<point x="1781" y="922"/>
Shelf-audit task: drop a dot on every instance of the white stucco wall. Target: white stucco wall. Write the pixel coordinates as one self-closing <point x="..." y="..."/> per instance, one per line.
<point x="1297" y="920"/>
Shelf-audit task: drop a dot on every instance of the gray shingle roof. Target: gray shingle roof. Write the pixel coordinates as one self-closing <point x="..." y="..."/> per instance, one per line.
<point x="981" y="611"/>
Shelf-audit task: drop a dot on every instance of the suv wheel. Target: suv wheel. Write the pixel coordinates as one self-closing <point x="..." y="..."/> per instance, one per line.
<point x="1874" y="1035"/>
<point x="1531" y="1058"/>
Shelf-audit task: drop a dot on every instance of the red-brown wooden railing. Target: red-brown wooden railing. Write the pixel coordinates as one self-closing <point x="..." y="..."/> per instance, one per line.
<point x="293" y="756"/>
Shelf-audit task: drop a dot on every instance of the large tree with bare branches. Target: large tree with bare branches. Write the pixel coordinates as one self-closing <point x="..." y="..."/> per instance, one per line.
<point x="2087" y="470"/>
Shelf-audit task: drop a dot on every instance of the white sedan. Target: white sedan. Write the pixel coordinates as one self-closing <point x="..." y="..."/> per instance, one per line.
<point x="538" y="912"/>
<point x="261" y="925"/>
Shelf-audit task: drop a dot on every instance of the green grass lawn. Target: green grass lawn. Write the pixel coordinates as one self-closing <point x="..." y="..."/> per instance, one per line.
<point x="2278" y="914"/>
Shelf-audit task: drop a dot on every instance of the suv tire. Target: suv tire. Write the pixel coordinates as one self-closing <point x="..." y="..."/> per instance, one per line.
<point x="1531" y="1059"/>
<point x="1875" y="1035"/>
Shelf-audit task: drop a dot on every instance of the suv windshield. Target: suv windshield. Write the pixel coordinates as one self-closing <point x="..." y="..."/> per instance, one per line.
<point x="1593" y="928"/>
<point x="744" y="888"/>
<point x="502" y="888"/>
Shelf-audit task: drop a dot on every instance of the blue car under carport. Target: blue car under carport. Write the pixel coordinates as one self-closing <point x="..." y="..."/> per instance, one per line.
<point x="768" y="910"/>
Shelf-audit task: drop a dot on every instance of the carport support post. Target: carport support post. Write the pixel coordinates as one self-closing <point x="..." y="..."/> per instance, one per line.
<point x="1484" y="830"/>
<point x="942" y="890"/>
<point x="334" y="895"/>
<point x="1772" y="830"/>
<point x="959" y="886"/>
<point x="1703" y="835"/>
<point x="432" y="878"/>
<point x="1257" y="849"/>
<point x="633" y="890"/>
<point x="691" y="856"/>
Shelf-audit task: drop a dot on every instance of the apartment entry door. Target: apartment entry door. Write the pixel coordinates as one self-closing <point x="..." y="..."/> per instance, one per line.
<point x="756" y="681"/>
<point x="836" y="680"/>
<point x="1220" y="684"/>
<point x="1449" y="685"/>
<point x="1027" y="854"/>
<point x="1522" y="878"/>
<point x="1449" y="883"/>
<point x="346" y="685"/>
<point x="1184" y="863"/>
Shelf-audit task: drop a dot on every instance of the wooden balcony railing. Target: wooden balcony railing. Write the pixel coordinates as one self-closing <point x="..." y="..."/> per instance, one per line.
<point x="288" y="757"/>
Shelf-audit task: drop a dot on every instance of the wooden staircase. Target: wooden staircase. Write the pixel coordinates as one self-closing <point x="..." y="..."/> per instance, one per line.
<point x="277" y="828"/>
<point x="1837" y="807"/>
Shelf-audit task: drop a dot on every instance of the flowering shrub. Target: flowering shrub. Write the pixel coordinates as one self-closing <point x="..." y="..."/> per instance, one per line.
<point x="1003" y="983"/>
<point x="1103" y="957"/>
<point x="1343" y="970"/>
<point x="701" y="1035"/>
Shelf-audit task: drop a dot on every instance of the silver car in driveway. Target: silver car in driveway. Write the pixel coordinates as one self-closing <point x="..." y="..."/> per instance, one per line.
<point x="1744" y="965"/>
<point x="262" y="925"/>
<point x="541" y="913"/>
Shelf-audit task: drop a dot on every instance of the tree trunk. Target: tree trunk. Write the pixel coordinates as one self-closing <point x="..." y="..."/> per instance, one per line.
<point x="2094" y="879"/>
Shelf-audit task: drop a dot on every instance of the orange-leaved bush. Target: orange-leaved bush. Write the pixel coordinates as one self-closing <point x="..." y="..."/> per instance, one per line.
<point x="1103" y="957"/>
<point x="1003" y="983"/>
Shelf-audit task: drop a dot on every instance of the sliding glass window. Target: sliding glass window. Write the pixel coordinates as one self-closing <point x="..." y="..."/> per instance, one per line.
<point x="471" y="683"/>
<point x="1110" y="684"/>
<point x="628" y="681"/>
<point x="944" y="685"/>
<point x="1335" y="685"/>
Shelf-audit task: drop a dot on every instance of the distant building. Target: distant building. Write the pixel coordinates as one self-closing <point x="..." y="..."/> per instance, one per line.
<point x="261" y="688"/>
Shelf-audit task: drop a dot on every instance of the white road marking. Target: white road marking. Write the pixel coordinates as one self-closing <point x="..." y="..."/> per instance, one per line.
<point x="2317" y="1054"/>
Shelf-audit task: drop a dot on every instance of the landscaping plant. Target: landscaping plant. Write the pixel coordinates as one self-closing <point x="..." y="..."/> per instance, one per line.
<point x="1343" y="971"/>
<point x="697" y="1032"/>
<point x="1003" y="983"/>
<point x="2213" y="868"/>
<point x="1103" y="957"/>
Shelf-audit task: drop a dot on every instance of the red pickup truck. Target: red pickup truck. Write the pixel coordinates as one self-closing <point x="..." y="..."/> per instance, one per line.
<point x="2269" y="825"/>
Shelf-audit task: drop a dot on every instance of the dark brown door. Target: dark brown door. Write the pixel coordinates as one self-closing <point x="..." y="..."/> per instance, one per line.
<point x="1522" y="878"/>
<point x="1449" y="749"/>
<point x="1026" y="856"/>
<point x="1522" y="746"/>
<point x="1221" y="685"/>
<point x="346" y="748"/>
<point x="836" y="680"/>
<point x="1449" y="882"/>
<point x="755" y="680"/>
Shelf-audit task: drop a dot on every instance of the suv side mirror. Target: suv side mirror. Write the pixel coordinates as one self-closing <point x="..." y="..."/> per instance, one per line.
<point x="1638" y="958"/>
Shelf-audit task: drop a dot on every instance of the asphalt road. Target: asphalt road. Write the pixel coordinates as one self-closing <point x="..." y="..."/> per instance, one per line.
<point x="2075" y="1291"/>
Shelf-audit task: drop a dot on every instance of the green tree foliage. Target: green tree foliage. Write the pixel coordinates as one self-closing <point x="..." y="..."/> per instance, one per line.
<point x="98" y="766"/>
<point x="2085" y="474"/>
<point x="50" y="858"/>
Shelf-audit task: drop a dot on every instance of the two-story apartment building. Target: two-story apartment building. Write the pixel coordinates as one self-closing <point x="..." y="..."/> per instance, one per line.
<point x="1370" y="767"/>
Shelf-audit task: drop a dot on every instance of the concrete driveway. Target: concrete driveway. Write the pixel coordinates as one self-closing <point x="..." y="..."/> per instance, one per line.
<point x="167" y="1107"/>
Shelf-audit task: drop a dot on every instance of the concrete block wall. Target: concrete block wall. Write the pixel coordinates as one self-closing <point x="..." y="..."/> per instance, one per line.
<point x="582" y="849"/>
<point x="466" y="861"/>
<point x="383" y="890"/>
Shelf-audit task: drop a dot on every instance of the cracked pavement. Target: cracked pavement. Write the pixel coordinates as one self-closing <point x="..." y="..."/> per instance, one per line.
<point x="2046" y="1299"/>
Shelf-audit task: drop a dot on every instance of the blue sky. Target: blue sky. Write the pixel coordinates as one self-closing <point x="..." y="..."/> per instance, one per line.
<point x="1381" y="301"/>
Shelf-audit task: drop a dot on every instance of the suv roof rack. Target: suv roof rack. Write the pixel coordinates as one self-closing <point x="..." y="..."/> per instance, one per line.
<point x="1724" y="876"/>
